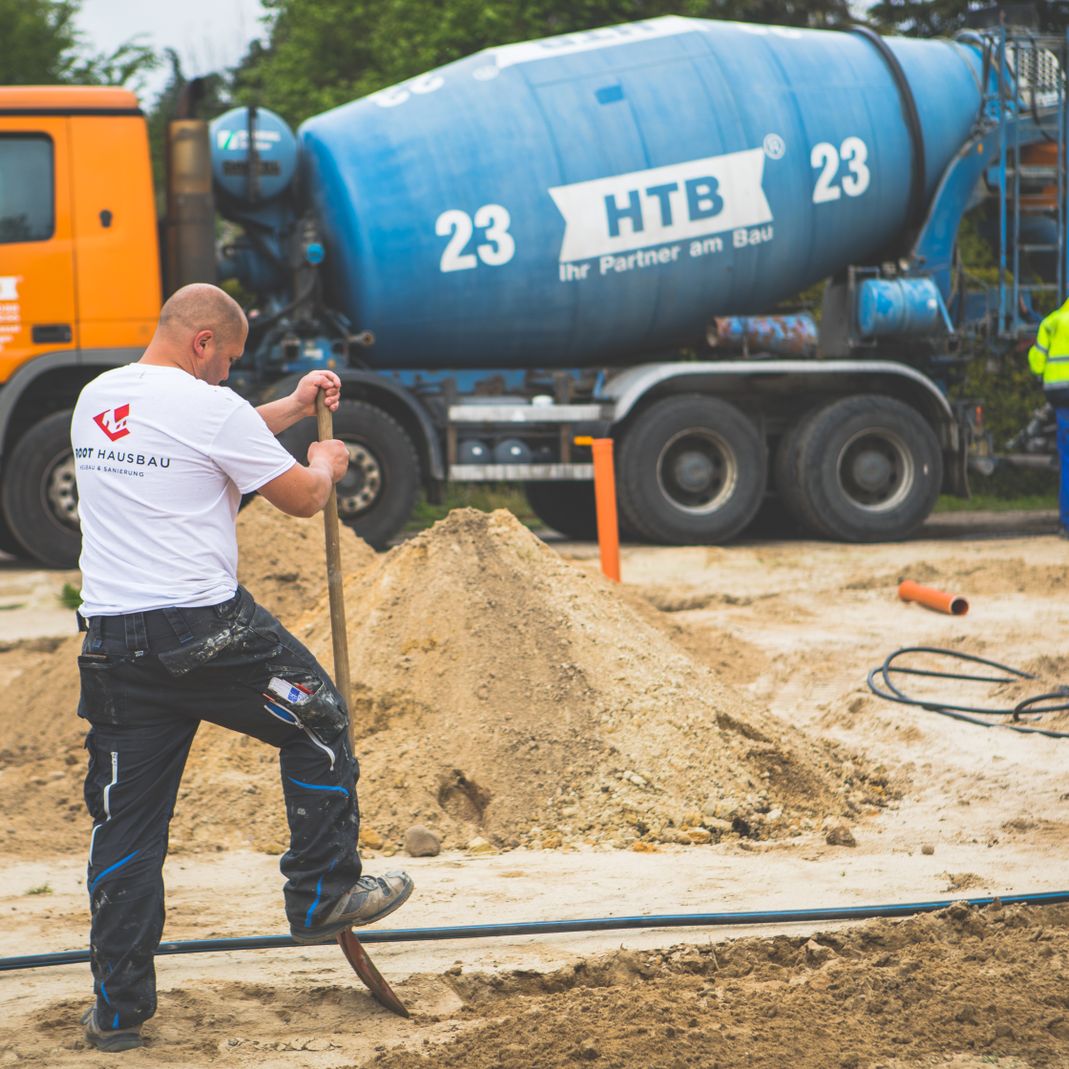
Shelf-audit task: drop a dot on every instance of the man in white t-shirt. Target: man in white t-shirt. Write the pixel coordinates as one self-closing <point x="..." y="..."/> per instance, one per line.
<point x="163" y="454"/>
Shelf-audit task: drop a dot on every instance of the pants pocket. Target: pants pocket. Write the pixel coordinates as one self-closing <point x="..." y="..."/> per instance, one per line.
<point x="306" y="698"/>
<point x="103" y="697"/>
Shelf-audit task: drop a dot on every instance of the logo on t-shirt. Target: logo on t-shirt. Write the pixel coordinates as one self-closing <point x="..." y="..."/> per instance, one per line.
<point x="112" y="421"/>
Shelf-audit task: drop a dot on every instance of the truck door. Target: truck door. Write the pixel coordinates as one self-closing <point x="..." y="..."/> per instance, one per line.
<point x="36" y="248"/>
<point x="117" y="268"/>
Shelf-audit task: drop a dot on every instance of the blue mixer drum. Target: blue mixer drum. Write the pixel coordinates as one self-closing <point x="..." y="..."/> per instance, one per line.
<point x="590" y="198"/>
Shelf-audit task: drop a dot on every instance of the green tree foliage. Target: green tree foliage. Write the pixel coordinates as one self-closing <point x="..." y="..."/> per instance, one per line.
<point x="921" y="18"/>
<point x="40" y="45"/>
<point x="160" y="114"/>
<point x="943" y="18"/>
<point x="37" y="42"/>
<point x="212" y="98"/>
<point x="322" y="53"/>
<point x="125" y="66"/>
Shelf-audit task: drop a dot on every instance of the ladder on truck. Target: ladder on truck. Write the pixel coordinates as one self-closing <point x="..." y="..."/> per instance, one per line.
<point x="1029" y="98"/>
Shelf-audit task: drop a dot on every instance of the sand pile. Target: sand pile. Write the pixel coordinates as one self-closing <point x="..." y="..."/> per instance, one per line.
<point x="42" y="759"/>
<point x="959" y="990"/>
<point x="502" y="692"/>
<point x="283" y="560"/>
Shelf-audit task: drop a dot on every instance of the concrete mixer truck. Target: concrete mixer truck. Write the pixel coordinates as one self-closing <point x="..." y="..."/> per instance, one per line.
<point x="556" y="239"/>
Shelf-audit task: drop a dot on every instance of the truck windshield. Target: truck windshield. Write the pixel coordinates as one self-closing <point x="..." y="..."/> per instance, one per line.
<point x="26" y="196"/>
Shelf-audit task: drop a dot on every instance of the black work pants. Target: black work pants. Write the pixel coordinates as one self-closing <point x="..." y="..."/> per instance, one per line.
<point x="148" y="680"/>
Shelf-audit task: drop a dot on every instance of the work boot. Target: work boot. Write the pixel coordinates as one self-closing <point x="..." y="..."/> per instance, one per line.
<point x="111" y="1040"/>
<point x="369" y="900"/>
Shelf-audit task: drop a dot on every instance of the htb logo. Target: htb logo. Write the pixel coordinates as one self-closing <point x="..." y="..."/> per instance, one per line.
<point x="112" y="421"/>
<point x="607" y="216"/>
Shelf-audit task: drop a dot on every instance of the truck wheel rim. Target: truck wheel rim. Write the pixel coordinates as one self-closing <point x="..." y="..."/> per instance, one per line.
<point x="62" y="491"/>
<point x="362" y="484"/>
<point x="875" y="470"/>
<point x="697" y="471"/>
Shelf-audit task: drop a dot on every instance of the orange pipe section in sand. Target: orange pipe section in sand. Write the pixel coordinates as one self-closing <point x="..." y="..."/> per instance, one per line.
<point x="939" y="600"/>
<point x="605" y="502"/>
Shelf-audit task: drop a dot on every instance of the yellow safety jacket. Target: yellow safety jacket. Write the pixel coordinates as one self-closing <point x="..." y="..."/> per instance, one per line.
<point x="1049" y="356"/>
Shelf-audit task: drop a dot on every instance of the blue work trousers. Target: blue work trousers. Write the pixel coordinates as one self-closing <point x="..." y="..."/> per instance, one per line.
<point x="148" y="680"/>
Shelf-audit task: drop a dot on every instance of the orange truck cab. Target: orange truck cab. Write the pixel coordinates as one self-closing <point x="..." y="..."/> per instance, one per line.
<point x="80" y="286"/>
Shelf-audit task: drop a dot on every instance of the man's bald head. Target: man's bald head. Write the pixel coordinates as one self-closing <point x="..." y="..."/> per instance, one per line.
<point x="201" y="306"/>
<point x="202" y="330"/>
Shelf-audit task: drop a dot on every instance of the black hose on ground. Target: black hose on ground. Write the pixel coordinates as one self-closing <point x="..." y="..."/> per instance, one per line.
<point x="592" y="924"/>
<point x="972" y="714"/>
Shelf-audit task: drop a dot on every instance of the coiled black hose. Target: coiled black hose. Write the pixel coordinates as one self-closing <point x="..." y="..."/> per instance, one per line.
<point x="591" y="924"/>
<point x="970" y="713"/>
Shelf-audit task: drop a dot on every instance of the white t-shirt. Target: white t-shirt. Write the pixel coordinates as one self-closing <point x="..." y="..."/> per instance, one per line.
<point x="162" y="460"/>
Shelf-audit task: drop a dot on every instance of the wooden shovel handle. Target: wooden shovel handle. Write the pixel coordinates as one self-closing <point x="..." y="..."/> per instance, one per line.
<point x="325" y="425"/>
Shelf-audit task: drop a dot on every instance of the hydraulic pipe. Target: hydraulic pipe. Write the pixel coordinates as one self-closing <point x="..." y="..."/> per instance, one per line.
<point x="939" y="600"/>
<point x="590" y="924"/>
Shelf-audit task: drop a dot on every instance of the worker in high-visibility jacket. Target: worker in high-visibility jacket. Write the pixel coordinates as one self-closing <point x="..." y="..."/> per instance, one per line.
<point x="1049" y="359"/>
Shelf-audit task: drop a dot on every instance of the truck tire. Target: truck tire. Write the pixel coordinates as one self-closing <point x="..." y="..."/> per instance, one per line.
<point x="39" y="494"/>
<point x="787" y="479"/>
<point x="9" y="544"/>
<point x="567" y="507"/>
<point x="379" y="491"/>
<point x="861" y="469"/>
<point x="691" y="471"/>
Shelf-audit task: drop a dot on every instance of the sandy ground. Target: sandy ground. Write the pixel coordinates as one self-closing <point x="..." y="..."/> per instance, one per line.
<point x="796" y="626"/>
<point x="30" y="605"/>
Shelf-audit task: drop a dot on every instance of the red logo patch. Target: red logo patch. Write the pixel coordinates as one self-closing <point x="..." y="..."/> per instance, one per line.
<point x="112" y="421"/>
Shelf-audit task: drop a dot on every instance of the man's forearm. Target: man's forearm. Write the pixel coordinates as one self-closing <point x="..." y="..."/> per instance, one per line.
<point x="280" y="414"/>
<point x="324" y="484"/>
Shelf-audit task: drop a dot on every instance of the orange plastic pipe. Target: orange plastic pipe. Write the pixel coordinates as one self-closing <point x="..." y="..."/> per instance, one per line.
<point x="605" y="503"/>
<point x="940" y="600"/>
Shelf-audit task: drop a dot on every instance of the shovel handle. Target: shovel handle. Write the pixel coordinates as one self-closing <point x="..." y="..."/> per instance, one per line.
<point x="331" y="529"/>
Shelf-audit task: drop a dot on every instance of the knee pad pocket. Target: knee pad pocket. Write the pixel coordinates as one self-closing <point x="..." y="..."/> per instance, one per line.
<point x="306" y="700"/>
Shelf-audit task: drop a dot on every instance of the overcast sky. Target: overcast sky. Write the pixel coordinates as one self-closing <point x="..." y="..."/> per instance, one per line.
<point x="208" y="35"/>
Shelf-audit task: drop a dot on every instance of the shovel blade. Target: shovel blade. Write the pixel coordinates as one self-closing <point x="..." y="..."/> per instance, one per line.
<point x="363" y="967"/>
